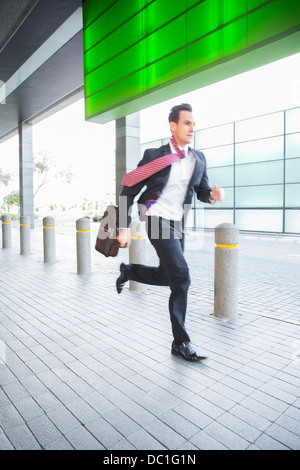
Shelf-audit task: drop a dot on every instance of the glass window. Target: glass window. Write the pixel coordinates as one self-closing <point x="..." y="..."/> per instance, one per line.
<point x="292" y="195"/>
<point x="292" y="145"/>
<point x="199" y="217"/>
<point x="216" y="217"/>
<point x="257" y="128"/>
<point x="228" y="201"/>
<point x="219" y="156"/>
<point x="259" y="173"/>
<point x="222" y="176"/>
<point x="259" y="220"/>
<point x="214" y="136"/>
<point x="292" y="174"/>
<point x="148" y="145"/>
<point x="292" y="221"/>
<point x="259" y="196"/>
<point x="259" y="150"/>
<point x="292" y="120"/>
<point x="190" y="219"/>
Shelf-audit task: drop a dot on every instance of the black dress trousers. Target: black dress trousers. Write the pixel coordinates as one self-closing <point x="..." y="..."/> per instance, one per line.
<point x="167" y="238"/>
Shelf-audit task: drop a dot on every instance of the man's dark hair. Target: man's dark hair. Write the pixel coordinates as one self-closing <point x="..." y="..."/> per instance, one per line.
<point x="174" y="113"/>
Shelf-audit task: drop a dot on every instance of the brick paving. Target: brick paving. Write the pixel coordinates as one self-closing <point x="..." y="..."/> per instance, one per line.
<point x="85" y="368"/>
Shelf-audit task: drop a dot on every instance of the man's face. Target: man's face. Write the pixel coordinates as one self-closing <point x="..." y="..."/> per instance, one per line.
<point x="183" y="130"/>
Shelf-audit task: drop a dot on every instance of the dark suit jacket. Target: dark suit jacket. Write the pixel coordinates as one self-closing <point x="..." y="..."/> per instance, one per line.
<point x="156" y="183"/>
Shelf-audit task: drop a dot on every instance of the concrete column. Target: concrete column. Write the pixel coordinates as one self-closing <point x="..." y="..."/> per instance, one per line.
<point x="25" y="248"/>
<point x="128" y="152"/>
<point x="226" y="271"/>
<point x="49" y="239"/>
<point x="26" y="171"/>
<point x="137" y="251"/>
<point x="83" y="245"/>
<point x="6" y="231"/>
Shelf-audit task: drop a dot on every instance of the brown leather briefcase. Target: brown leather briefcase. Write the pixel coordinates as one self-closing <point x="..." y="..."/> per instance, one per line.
<point x="106" y="242"/>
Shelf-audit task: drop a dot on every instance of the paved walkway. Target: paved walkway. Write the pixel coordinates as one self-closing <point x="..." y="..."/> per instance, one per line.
<point x="85" y="368"/>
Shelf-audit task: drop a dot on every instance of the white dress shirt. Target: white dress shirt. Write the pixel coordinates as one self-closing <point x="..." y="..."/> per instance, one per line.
<point x="170" y="203"/>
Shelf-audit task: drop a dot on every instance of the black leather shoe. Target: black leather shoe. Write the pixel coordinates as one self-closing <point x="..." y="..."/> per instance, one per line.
<point x="186" y="351"/>
<point x="122" y="278"/>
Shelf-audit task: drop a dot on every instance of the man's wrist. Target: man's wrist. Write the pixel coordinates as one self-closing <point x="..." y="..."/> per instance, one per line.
<point x="211" y="198"/>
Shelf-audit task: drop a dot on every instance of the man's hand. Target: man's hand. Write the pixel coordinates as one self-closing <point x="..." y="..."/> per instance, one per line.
<point x="124" y="237"/>
<point x="218" y="194"/>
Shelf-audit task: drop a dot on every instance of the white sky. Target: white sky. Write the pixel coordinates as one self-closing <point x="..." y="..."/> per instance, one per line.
<point x="89" y="148"/>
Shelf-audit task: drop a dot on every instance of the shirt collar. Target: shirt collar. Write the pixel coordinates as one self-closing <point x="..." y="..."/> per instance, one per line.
<point x="185" y="148"/>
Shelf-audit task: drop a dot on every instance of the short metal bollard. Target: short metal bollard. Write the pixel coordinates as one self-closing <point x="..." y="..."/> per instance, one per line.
<point x="83" y="244"/>
<point x="6" y="231"/>
<point x="49" y="240"/>
<point x="25" y="235"/>
<point x="137" y="251"/>
<point x="226" y="271"/>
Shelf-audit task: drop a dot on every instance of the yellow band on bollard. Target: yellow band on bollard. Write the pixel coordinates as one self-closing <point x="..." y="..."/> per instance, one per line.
<point x="226" y="246"/>
<point x="137" y="238"/>
<point x="81" y="231"/>
<point x="48" y="226"/>
<point x="23" y="225"/>
<point x="6" y="222"/>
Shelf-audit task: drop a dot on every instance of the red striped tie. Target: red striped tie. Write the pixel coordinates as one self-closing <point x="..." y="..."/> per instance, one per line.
<point x="143" y="172"/>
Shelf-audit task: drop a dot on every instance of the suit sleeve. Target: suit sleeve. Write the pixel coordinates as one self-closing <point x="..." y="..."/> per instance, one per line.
<point x="128" y="194"/>
<point x="203" y="189"/>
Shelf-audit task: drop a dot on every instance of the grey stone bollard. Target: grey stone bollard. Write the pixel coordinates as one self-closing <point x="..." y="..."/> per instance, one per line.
<point x="137" y="251"/>
<point x="25" y="235"/>
<point x="6" y="231"/>
<point x="49" y="240"/>
<point x="83" y="245"/>
<point x="226" y="271"/>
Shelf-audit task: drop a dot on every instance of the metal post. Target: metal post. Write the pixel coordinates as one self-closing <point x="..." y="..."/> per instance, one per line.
<point x="137" y="251"/>
<point x="226" y="271"/>
<point x="83" y="244"/>
<point x="6" y="231"/>
<point x="25" y="235"/>
<point x="49" y="239"/>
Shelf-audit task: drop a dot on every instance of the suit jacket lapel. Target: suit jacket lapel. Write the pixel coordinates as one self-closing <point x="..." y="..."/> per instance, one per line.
<point x="196" y="169"/>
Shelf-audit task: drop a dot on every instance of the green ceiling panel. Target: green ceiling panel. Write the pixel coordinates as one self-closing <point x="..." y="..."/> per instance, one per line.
<point x="165" y="41"/>
<point x="231" y="9"/>
<point x="273" y="18"/>
<point x="204" y="17"/>
<point x="131" y="60"/>
<point x="122" y="11"/>
<point x="133" y="49"/>
<point x="96" y="31"/>
<point x="125" y="36"/>
<point x="160" y="12"/>
<point x="217" y="45"/>
<point x="94" y="57"/>
<point x="93" y="10"/>
<point x="97" y="80"/>
<point x="164" y="71"/>
<point x="256" y="3"/>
